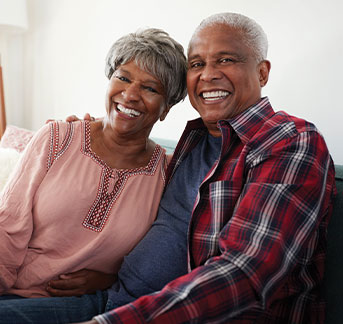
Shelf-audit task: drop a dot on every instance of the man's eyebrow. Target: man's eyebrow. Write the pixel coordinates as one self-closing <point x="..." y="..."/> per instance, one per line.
<point x="192" y="57"/>
<point x="230" y="54"/>
<point x="218" y="54"/>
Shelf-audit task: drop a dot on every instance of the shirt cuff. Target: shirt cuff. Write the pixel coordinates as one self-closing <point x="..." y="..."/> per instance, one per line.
<point x="101" y="319"/>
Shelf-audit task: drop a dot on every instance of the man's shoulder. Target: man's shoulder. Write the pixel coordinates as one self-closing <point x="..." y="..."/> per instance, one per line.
<point x="281" y="129"/>
<point x="286" y="125"/>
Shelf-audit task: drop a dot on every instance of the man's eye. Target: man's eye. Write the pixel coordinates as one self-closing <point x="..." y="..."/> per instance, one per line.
<point x="226" y="60"/>
<point x="195" y="65"/>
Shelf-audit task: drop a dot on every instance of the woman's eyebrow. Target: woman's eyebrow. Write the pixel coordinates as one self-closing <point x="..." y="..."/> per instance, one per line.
<point x="156" y="83"/>
<point x="123" y="70"/>
<point x="148" y="81"/>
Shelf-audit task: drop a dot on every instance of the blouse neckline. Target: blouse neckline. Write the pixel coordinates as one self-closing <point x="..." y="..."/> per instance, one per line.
<point x="87" y="150"/>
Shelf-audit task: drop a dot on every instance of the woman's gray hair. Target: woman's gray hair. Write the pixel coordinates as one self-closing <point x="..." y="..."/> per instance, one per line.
<point x="154" y="51"/>
<point x="252" y="32"/>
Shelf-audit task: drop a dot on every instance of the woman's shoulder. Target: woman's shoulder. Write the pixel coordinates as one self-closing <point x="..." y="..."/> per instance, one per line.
<point x="161" y="157"/>
<point x="62" y="130"/>
<point x="63" y="134"/>
<point x="63" y="126"/>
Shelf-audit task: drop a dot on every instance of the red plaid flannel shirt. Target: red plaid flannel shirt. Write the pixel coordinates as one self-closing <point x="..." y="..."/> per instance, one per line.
<point x="257" y="236"/>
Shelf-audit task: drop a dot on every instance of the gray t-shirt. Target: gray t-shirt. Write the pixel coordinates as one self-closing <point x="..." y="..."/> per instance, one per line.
<point x="161" y="256"/>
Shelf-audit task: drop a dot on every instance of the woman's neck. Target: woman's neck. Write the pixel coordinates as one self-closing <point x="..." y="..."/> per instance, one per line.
<point x="117" y="151"/>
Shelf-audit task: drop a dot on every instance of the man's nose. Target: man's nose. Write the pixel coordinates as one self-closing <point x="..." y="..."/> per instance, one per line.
<point x="210" y="73"/>
<point x="131" y="92"/>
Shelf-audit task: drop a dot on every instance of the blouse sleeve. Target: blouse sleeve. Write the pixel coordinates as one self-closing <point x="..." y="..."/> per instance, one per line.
<point x="16" y="202"/>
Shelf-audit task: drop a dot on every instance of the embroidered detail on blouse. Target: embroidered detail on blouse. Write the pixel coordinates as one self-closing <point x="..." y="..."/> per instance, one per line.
<point x="67" y="140"/>
<point x="100" y="209"/>
<point x="53" y="146"/>
<point x="56" y="151"/>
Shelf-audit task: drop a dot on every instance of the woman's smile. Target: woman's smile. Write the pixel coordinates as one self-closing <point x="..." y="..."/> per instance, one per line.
<point x="128" y="111"/>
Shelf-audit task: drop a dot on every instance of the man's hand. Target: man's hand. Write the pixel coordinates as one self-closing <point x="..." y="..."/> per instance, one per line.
<point x="88" y="322"/>
<point x="73" y="118"/>
<point x="80" y="283"/>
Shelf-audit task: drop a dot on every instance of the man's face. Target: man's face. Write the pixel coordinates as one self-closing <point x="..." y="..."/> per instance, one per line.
<point x="223" y="77"/>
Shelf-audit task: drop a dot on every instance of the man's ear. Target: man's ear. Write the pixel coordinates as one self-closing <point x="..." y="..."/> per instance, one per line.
<point x="264" y="69"/>
<point x="165" y="113"/>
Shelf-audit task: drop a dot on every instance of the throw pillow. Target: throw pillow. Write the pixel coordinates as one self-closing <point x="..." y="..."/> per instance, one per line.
<point x="15" y="138"/>
<point x="8" y="160"/>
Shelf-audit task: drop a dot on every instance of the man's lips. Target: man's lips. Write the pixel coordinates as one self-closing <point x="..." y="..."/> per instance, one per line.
<point x="128" y="111"/>
<point x="214" y="95"/>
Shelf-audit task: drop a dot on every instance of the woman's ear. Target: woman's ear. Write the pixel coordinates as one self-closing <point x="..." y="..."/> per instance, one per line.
<point x="165" y="113"/>
<point x="263" y="69"/>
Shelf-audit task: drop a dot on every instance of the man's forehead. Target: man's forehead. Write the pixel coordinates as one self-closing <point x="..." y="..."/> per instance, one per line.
<point x="217" y="28"/>
<point x="217" y="38"/>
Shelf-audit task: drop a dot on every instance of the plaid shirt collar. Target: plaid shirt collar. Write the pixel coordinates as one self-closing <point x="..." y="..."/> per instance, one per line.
<point x="249" y="121"/>
<point x="245" y="124"/>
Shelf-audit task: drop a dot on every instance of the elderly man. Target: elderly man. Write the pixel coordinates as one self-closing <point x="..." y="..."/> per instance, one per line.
<point x="257" y="234"/>
<point x="250" y="187"/>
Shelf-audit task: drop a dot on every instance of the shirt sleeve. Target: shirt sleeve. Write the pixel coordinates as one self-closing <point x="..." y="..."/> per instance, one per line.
<point x="16" y="203"/>
<point x="271" y="231"/>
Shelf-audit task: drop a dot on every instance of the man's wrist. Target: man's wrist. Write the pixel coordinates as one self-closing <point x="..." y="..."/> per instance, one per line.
<point x="99" y="319"/>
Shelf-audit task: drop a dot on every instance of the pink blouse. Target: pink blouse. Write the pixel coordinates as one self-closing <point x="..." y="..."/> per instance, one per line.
<point x="65" y="210"/>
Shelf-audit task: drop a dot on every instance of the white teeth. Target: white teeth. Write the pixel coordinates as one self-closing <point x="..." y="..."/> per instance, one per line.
<point x="127" y="111"/>
<point x="215" y="95"/>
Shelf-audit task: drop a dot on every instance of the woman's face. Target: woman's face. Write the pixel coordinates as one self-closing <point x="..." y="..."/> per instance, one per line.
<point x="135" y="100"/>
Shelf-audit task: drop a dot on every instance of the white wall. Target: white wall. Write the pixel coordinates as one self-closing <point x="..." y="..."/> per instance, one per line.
<point x="67" y="41"/>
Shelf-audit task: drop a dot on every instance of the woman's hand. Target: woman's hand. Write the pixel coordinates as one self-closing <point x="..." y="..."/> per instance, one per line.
<point x="80" y="283"/>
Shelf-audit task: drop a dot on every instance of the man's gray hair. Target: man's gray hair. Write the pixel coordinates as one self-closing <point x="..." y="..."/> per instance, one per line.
<point x="154" y="51"/>
<point x="252" y="32"/>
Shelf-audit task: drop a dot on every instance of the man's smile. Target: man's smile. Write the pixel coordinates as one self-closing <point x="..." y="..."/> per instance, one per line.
<point x="214" y="95"/>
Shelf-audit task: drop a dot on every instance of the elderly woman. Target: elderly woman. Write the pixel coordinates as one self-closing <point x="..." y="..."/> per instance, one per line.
<point x="84" y="194"/>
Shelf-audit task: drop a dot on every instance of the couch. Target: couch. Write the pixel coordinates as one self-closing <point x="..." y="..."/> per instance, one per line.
<point x="333" y="280"/>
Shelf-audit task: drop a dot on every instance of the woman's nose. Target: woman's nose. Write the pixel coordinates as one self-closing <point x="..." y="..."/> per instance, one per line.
<point x="131" y="92"/>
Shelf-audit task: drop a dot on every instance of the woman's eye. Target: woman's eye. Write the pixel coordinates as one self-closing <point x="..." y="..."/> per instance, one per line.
<point x="122" y="78"/>
<point x="151" y="89"/>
